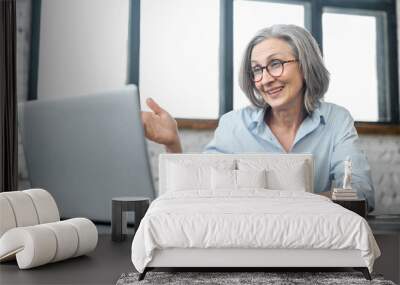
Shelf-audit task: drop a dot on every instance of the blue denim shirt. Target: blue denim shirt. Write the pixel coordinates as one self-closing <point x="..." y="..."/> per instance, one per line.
<point x="328" y="134"/>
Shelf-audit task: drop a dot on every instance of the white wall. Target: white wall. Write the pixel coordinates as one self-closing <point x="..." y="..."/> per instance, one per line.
<point x="89" y="36"/>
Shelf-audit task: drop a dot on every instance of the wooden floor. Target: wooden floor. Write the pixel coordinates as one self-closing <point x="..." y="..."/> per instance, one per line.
<point x="102" y="266"/>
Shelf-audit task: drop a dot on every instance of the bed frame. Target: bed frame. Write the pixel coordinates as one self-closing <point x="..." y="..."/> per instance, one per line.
<point x="242" y="259"/>
<point x="250" y="258"/>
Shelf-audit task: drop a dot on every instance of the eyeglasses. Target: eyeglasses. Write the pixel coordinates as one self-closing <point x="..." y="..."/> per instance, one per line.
<point x="274" y="68"/>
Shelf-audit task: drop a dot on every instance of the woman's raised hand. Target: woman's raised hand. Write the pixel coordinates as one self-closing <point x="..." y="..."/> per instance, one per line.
<point x="161" y="127"/>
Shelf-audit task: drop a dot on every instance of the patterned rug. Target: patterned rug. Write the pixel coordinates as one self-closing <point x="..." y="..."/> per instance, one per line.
<point x="243" y="278"/>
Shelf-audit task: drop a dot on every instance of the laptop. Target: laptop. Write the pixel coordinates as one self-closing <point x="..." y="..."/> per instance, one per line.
<point x="86" y="150"/>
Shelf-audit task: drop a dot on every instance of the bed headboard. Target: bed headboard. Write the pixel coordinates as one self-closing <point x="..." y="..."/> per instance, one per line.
<point x="268" y="159"/>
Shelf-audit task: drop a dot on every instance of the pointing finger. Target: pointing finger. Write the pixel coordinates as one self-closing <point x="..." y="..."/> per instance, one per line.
<point x="154" y="106"/>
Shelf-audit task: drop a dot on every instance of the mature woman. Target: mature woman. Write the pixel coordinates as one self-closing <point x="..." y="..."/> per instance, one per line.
<point x="285" y="79"/>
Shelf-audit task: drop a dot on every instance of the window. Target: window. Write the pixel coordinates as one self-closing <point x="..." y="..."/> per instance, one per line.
<point x="354" y="36"/>
<point x="186" y="53"/>
<point x="179" y="53"/>
<point x="351" y="55"/>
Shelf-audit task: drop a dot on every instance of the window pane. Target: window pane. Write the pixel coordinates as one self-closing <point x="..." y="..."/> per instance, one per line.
<point x="179" y="59"/>
<point x="250" y="17"/>
<point x="349" y="43"/>
<point x="83" y="47"/>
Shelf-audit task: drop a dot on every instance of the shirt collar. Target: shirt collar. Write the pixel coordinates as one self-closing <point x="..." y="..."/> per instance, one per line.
<point x="317" y="116"/>
<point x="310" y="123"/>
<point x="257" y="117"/>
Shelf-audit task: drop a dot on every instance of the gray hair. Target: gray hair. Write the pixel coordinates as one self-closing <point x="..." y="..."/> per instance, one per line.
<point x="306" y="51"/>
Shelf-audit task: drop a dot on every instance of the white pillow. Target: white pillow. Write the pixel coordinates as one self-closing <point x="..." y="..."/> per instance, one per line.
<point x="223" y="179"/>
<point x="293" y="180"/>
<point x="251" y="178"/>
<point x="282" y="174"/>
<point x="188" y="175"/>
<point x="183" y="177"/>
<point x="227" y="179"/>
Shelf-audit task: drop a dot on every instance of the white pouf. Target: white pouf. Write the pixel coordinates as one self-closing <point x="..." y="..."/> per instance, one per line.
<point x="31" y="231"/>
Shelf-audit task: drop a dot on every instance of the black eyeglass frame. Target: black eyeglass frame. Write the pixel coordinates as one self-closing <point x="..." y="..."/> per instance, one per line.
<point x="282" y="62"/>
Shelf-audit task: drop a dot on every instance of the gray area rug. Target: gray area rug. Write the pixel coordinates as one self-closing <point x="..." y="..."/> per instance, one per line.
<point x="228" y="278"/>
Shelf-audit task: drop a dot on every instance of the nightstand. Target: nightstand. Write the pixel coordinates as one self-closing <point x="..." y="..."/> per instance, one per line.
<point x="358" y="206"/>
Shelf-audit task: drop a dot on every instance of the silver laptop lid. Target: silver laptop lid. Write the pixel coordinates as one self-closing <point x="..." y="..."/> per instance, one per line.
<point x="86" y="150"/>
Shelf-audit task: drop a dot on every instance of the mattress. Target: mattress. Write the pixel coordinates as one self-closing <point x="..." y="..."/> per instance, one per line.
<point x="250" y="219"/>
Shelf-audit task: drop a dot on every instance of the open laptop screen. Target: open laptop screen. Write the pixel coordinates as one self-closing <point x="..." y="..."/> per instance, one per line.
<point x="86" y="150"/>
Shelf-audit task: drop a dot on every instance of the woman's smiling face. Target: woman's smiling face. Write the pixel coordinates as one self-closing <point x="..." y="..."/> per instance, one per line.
<point x="281" y="92"/>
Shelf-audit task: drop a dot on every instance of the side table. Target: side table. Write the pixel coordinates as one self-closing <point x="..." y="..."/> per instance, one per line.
<point x="121" y="205"/>
<point x="358" y="206"/>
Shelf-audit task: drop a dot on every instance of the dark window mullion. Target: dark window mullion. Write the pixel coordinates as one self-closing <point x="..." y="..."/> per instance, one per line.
<point x="383" y="99"/>
<point x="393" y="64"/>
<point x="307" y="15"/>
<point x="316" y="22"/>
<point x="134" y="42"/>
<point x="226" y="57"/>
<point x="34" y="52"/>
<point x="383" y="5"/>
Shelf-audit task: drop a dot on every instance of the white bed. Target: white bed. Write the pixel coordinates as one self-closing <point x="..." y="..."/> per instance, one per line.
<point x="203" y="219"/>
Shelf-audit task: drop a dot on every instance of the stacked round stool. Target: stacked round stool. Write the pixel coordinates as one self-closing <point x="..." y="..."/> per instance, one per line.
<point x="121" y="205"/>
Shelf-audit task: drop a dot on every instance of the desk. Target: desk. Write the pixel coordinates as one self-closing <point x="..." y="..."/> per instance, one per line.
<point x="386" y="229"/>
<point x="358" y="206"/>
<point x="384" y="224"/>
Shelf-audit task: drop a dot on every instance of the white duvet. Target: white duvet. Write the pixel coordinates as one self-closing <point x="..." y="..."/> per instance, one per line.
<point x="251" y="218"/>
